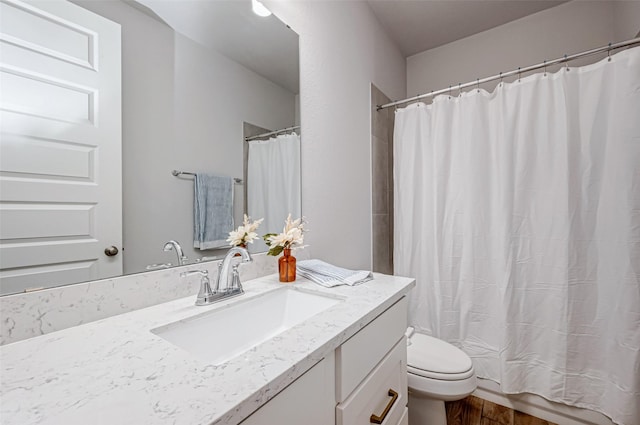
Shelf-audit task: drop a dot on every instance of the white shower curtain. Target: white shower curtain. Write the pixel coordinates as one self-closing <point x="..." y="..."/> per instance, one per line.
<point x="518" y="212"/>
<point x="273" y="182"/>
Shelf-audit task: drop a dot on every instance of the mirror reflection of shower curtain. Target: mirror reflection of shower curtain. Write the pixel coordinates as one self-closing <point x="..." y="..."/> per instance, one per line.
<point x="273" y="183"/>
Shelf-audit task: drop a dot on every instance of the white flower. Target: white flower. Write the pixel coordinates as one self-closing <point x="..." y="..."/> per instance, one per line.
<point x="251" y="227"/>
<point x="279" y="240"/>
<point x="250" y="236"/>
<point x="246" y="233"/>
<point x="292" y="236"/>
<point x="236" y="236"/>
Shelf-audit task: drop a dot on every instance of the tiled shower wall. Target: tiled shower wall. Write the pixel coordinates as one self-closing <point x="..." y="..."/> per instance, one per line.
<point x="382" y="182"/>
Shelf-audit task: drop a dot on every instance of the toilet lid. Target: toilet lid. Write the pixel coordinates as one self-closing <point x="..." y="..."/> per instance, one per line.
<point x="431" y="354"/>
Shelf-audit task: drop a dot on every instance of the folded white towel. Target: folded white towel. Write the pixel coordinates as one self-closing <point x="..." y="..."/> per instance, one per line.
<point x="328" y="275"/>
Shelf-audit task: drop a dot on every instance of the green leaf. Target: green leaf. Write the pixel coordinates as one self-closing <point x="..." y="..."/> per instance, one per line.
<point x="276" y="250"/>
<point x="266" y="238"/>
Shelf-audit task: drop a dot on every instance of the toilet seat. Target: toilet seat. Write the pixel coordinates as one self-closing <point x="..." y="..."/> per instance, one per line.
<point x="433" y="358"/>
<point x="440" y="376"/>
<point x="436" y="372"/>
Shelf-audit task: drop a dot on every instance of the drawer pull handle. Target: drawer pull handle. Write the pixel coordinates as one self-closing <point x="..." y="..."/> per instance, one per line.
<point x="379" y="419"/>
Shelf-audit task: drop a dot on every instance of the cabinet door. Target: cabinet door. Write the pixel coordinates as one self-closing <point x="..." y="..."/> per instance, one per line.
<point x="310" y="400"/>
<point x="404" y="420"/>
<point x="384" y="390"/>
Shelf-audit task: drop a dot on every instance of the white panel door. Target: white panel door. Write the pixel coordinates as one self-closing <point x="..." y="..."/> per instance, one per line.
<point x="60" y="145"/>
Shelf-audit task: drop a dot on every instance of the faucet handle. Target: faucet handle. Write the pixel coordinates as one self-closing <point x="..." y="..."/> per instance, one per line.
<point x="203" y="273"/>
<point x="235" y="279"/>
<point x="206" y="295"/>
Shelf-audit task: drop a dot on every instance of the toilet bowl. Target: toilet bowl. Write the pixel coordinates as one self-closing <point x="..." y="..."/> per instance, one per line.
<point x="437" y="372"/>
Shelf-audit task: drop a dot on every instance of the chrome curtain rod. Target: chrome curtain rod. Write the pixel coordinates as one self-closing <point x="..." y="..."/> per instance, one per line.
<point x="271" y="133"/>
<point x="518" y="71"/>
<point x="185" y="173"/>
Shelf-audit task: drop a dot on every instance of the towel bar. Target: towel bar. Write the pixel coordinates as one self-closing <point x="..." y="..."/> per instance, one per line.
<point x="179" y="173"/>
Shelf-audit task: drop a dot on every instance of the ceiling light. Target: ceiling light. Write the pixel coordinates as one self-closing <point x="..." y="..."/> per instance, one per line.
<point x="259" y="8"/>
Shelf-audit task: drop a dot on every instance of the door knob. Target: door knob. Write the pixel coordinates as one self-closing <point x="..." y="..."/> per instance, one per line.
<point x="111" y="251"/>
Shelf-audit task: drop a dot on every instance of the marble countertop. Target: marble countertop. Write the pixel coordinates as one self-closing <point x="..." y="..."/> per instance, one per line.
<point x="116" y="371"/>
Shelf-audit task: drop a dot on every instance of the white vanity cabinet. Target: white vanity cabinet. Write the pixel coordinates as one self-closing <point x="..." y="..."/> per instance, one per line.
<point x="308" y="400"/>
<point x="334" y="368"/>
<point x="367" y="376"/>
<point x="371" y="371"/>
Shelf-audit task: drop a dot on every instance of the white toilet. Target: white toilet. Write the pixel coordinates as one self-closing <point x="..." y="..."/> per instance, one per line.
<point x="438" y="372"/>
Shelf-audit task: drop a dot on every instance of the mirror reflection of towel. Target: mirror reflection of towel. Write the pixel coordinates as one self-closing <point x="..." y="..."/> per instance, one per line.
<point x="212" y="211"/>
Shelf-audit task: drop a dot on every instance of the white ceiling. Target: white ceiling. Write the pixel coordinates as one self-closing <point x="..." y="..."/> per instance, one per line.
<point x="419" y="25"/>
<point x="270" y="48"/>
<point x="263" y="44"/>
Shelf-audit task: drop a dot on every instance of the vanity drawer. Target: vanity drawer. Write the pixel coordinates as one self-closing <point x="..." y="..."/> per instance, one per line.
<point x="360" y="353"/>
<point x="385" y="389"/>
<point x="404" y="420"/>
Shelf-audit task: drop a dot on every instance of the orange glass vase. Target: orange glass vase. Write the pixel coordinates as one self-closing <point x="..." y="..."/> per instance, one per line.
<point x="287" y="266"/>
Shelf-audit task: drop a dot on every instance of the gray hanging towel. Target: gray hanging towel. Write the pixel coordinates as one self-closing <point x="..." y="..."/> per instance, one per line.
<point x="212" y="211"/>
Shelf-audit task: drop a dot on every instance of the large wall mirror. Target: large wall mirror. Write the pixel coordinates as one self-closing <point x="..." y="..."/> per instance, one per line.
<point x="198" y="78"/>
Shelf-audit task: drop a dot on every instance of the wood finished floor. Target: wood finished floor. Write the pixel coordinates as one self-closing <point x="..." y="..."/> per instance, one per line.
<point x="476" y="411"/>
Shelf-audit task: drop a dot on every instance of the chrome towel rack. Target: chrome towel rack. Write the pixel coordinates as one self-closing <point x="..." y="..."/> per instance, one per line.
<point x="186" y="173"/>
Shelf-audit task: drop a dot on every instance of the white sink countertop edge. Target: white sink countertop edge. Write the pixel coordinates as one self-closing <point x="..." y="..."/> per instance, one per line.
<point x="116" y="371"/>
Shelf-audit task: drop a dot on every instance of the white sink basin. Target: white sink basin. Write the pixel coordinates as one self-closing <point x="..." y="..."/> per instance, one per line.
<point x="220" y="335"/>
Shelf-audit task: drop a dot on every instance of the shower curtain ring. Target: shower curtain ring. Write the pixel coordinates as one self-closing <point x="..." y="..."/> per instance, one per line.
<point x="478" y="84"/>
<point x="567" y="62"/>
<point x="459" y="90"/>
<point x="500" y="79"/>
<point x="449" y="92"/>
<point x="545" y="68"/>
<point x="518" y="74"/>
<point x="609" y="53"/>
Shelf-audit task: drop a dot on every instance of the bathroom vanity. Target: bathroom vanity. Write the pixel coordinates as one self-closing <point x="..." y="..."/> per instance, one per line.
<point x="342" y="364"/>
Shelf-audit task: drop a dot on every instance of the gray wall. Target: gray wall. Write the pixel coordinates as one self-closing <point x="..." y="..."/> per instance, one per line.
<point x="183" y="108"/>
<point x="569" y="28"/>
<point x="343" y="49"/>
<point x="626" y="19"/>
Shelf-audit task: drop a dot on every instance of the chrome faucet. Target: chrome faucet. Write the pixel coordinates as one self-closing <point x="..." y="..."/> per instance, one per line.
<point x="205" y="294"/>
<point x="223" y="270"/>
<point x="208" y="295"/>
<point x="175" y="245"/>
